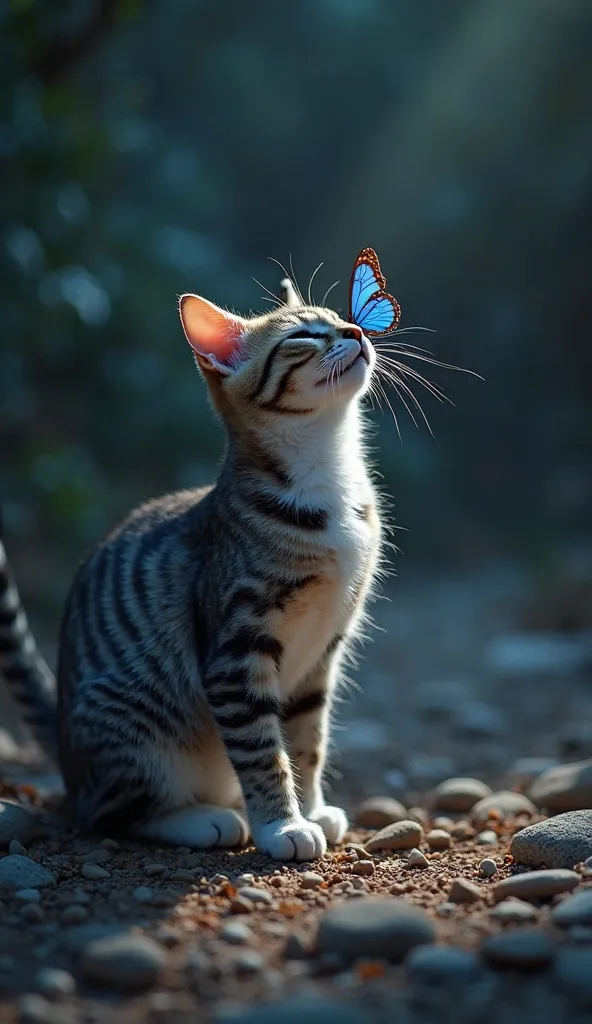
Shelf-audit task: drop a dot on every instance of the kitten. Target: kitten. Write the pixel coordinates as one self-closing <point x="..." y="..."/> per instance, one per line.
<point x="202" y="640"/>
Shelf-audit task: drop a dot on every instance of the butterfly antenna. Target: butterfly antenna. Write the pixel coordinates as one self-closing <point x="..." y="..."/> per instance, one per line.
<point x="328" y="292"/>
<point x="310" y="283"/>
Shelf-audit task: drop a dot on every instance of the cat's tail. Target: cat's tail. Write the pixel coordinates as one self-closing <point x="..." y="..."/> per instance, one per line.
<point x="29" y="678"/>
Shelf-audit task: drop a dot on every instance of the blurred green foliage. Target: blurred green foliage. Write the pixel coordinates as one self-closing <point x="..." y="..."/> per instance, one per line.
<point x="150" y="148"/>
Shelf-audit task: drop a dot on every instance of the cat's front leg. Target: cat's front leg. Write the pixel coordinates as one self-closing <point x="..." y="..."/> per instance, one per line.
<point x="244" y="700"/>
<point x="305" y="722"/>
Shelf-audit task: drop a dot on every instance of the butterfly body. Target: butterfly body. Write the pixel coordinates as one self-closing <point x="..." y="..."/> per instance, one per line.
<point x="370" y="305"/>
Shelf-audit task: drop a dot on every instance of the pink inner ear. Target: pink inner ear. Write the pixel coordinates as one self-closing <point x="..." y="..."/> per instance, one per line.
<point x="210" y="331"/>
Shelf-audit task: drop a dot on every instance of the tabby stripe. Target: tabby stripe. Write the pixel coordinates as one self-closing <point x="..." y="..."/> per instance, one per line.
<point x="283" y="382"/>
<point x="266" y="370"/>
<point x="248" y="641"/>
<point x="293" y="586"/>
<point x="246" y="595"/>
<point x="236" y="719"/>
<point x="251" y="744"/>
<point x="85" y="624"/>
<point x="270" y="464"/>
<point x="303" y="705"/>
<point x="290" y="515"/>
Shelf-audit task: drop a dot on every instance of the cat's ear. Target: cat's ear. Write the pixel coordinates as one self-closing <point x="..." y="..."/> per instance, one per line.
<point x="289" y="294"/>
<point x="214" y="334"/>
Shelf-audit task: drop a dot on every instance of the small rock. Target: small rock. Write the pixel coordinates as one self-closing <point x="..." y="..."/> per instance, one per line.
<point x="94" y="872"/>
<point x="378" y="811"/>
<point x="373" y="927"/>
<point x="487" y="868"/>
<point x="127" y="961"/>
<point x="420" y="815"/>
<point x="17" y="872"/>
<point x="54" y="983"/>
<point x="297" y="947"/>
<point x="240" y="906"/>
<point x="100" y="856"/>
<point x="310" y="880"/>
<point x="442" y="821"/>
<point x="295" y="1010"/>
<point x="522" y="949"/>
<point x="559" y="842"/>
<point x="33" y="913"/>
<point x="463" y="891"/>
<point x="504" y="804"/>
<point x="462" y="830"/>
<point x="236" y="933"/>
<point x="573" y="970"/>
<point x="34" y="1009"/>
<point x="568" y="787"/>
<point x="15" y="847"/>
<point x="28" y="895"/>
<point x="74" y="914"/>
<point x="249" y="892"/>
<point x="246" y="879"/>
<point x="574" y="910"/>
<point x="536" y="884"/>
<point x="249" y="961"/>
<point x="440" y="964"/>
<point x="109" y="844"/>
<point x="445" y="909"/>
<point x="363" y="867"/>
<point x="183" y="875"/>
<point x="417" y="859"/>
<point x="155" y="870"/>
<point x="438" y="839"/>
<point x="400" y="835"/>
<point x="486" y="838"/>
<point x="513" y="911"/>
<point x="143" y="894"/>
<point x="17" y="822"/>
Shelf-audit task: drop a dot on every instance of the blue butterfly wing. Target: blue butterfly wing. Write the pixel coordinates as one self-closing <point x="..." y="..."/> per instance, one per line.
<point x="379" y="314"/>
<point x="364" y="285"/>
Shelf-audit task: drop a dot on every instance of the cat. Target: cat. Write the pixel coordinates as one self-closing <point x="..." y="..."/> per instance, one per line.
<point x="202" y="640"/>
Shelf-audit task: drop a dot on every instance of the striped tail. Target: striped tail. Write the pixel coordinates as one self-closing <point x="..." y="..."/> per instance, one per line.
<point x="28" y="676"/>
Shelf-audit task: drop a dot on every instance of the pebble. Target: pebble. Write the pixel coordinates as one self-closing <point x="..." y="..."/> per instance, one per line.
<point x="487" y="868"/>
<point x="364" y="867"/>
<point x="143" y="894"/>
<point x="74" y="914"/>
<point x="463" y="891"/>
<point x="573" y="970"/>
<point x="505" y="803"/>
<point x="400" y="835"/>
<point x="295" y="1010"/>
<point x="17" y="822"/>
<point x="240" y="906"/>
<point x="246" y="879"/>
<point x="183" y="875"/>
<point x="439" y="839"/>
<point x="155" y="870"/>
<point x="28" y="895"/>
<point x="568" y="787"/>
<point x="15" y="847"/>
<point x="34" y="1009"/>
<point x="522" y="949"/>
<point x="310" y="880"/>
<point x="236" y="933"/>
<point x="33" y="913"/>
<point x="249" y="892"/>
<point x="126" y="961"/>
<point x="559" y="842"/>
<point x="17" y="872"/>
<point x="445" y="909"/>
<point x="513" y="911"/>
<point x="378" y="811"/>
<point x="297" y="947"/>
<point x="486" y="838"/>
<point x="54" y="982"/>
<point x="440" y="964"/>
<point x="417" y="859"/>
<point x="536" y="884"/>
<point x="249" y="961"/>
<point x="575" y="910"/>
<point x="462" y="830"/>
<point x="100" y="856"/>
<point x="373" y="927"/>
<point x="94" y="872"/>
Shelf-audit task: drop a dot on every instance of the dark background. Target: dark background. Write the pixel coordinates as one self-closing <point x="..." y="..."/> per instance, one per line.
<point x="152" y="148"/>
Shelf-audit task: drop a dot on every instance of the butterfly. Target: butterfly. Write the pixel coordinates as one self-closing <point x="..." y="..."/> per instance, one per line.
<point x="370" y="306"/>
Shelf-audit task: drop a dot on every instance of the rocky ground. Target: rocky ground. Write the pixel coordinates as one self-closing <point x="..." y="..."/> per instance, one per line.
<point x="463" y="891"/>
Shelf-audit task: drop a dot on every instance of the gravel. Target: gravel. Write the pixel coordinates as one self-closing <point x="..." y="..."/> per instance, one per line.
<point x="458" y="795"/>
<point x="17" y="872"/>
<point x="373" y="927"/>
<point x="522" y="949"/>
<point x="503" y="804"/>
<point x="400" y="835"/>
<point x="574" y="910"/>
<point x="559" y="842"/>
<point x="536" y="884"/>
<point x="378" y="811"/>
<point x="126" y="961"/>
<point x="568" y="787"/>
<point x="18" y="823"/>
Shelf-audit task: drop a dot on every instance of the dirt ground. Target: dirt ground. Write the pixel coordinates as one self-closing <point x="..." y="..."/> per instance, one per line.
<point x="451" y="686"/>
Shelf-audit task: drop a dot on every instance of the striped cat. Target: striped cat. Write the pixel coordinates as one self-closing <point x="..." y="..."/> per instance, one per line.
<point x="202" y="639"/>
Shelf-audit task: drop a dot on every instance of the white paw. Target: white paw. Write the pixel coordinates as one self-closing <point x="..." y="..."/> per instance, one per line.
<point x="332" y="820"/>
<point x="290" y="840"/>
<point x="201" y="828"/>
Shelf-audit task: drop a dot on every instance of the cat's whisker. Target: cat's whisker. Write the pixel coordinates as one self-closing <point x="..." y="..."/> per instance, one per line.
<point x="328" y="292"/>
<point x="310" y="283"/>
<point x="275" y="298"/>
<point x="291" y="275"/>
<point x="430" y="386"/>
<point x="397" y="383"/>
<point x="413" y="353"/>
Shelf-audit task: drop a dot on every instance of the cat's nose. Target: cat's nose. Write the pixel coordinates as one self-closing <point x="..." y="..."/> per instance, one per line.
<point x="352" y="332"/>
